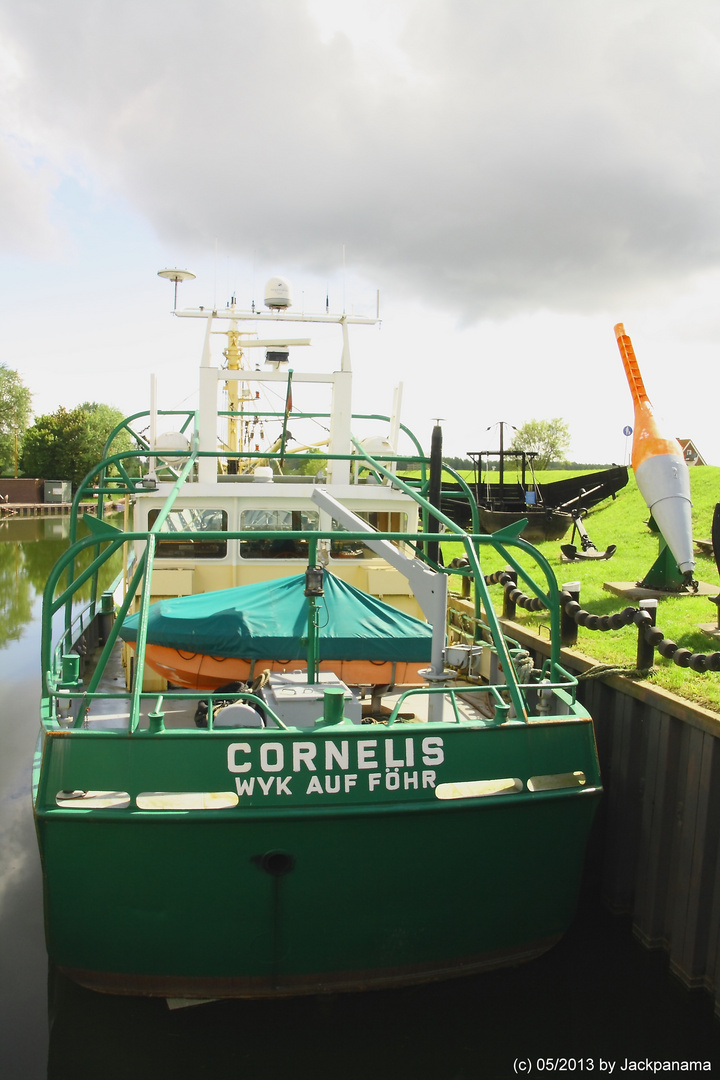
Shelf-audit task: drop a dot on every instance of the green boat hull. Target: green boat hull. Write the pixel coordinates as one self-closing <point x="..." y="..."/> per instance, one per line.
<point x="301" y="888"/>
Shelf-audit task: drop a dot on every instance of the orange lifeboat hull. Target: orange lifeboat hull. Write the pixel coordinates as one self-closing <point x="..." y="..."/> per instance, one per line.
<point x="197" y="671"/>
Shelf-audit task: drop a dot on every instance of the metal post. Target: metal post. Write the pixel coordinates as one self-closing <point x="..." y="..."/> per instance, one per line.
<point x="508" y="604"/>
<point x="313" y="589"/>
<point x="432" y="548"/>
<point x="568" y="626"/>
<point x="646" y="651"/>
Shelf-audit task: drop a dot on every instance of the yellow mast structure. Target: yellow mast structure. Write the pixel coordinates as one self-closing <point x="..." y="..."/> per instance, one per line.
<point x="238" y="392"/>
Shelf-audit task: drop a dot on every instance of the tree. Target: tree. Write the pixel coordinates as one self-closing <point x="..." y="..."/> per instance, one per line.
<point x="549" y="439"/>
<point x="66" y="444"/>
<point x="101" y="419"/>
<point x="55" y="446"/>
<point x="15" y="401"/>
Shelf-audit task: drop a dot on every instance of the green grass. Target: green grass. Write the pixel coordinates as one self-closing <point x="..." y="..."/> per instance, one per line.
<point x="622" y="522"/>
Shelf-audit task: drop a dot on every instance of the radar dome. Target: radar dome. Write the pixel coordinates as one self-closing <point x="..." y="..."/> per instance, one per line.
<point x="172" y="441"/>
<point x="377" y="444"/>
<point x="278" y="294"/>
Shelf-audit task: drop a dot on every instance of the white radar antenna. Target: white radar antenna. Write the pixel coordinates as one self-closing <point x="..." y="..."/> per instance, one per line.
<point x="176" y="276"/>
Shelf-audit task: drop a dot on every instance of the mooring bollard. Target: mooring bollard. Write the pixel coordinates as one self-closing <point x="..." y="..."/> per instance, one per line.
<point x="509" y="605"/>
<point x="645" y="650"/>
<point x="568" y="626"/>
<point x="333" y="704"/>
<point x="70" y="677"/>
<point x="156" y="722"/>
<point x="106" y="617"/>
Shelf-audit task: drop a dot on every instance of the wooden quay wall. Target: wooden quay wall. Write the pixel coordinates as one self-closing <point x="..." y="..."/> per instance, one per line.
<point x="656" y="849"/>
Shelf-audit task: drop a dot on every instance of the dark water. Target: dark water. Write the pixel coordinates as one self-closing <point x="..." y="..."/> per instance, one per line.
<point x="597" y="999"/>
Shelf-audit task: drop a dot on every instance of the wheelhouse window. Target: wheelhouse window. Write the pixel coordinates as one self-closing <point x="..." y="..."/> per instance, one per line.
<point x="381" y="521"/>
<point x="197" y="519"/>
<point x="277" y="521"/>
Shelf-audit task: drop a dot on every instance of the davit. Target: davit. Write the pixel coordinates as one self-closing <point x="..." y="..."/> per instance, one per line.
<point x="659" y="466"/>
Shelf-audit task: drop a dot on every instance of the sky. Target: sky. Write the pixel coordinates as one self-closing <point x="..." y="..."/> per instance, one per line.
<point x="514" y="178"/>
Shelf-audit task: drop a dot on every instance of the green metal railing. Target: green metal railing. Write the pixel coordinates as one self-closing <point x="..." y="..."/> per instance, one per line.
<point x="58" y="681"/>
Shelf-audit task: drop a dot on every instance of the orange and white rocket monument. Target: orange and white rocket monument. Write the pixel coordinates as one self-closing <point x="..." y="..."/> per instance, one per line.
<point x="659" y="466"/>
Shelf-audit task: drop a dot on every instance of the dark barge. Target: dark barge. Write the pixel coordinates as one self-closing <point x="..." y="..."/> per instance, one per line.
<point x="549" y="508"/>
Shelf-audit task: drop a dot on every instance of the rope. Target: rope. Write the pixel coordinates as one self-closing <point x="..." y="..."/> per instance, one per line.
<point x="599" y="671"/>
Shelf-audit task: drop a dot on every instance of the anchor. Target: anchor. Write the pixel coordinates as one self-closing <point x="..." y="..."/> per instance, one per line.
<point x="589" y="551"/>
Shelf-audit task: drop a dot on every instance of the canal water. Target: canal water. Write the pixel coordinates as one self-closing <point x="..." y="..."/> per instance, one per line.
<point x="597" y="1003"/>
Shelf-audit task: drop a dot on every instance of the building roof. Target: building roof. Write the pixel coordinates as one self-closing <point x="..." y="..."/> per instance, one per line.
<point x="691" y="453"/>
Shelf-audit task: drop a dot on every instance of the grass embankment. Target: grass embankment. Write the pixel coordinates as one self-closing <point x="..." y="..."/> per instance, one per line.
<point x="622" y="521"/>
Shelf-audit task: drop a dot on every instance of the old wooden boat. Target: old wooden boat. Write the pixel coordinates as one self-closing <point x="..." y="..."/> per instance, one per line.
<point x="421" y="813"/>
<point x="548" y="509"/>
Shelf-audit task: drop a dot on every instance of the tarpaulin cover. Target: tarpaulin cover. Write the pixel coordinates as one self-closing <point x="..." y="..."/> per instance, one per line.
<point x="269" y="619"/>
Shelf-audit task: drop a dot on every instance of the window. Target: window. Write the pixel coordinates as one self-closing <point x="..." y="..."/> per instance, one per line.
<point x="276" y="547"/>
<point x="381" y="521"/>
<point x="190" y="520"/>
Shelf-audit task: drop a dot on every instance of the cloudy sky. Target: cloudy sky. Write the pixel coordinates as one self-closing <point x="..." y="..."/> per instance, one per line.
<point x="514" y="178"/>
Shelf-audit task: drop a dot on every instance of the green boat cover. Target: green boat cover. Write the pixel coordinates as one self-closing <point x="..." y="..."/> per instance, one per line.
<point x="269" y="619"/>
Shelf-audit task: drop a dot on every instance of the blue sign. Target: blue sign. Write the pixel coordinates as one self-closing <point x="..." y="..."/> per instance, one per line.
<point x="627" y="430"/>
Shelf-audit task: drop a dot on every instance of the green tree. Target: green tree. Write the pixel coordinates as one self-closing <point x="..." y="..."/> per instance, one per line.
<point x="66" y="444"/>
<point x="15" y="401"/>
<point x="101" y="419"/>
<point x="550" y="439"/>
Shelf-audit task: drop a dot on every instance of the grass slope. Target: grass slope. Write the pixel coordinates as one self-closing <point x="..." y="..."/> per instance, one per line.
<point x="622" y="521"/>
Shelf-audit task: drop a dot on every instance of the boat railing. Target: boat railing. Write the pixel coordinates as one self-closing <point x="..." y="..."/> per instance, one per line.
<point x="129" y="484"/>
<point x="82" y="620"/>
<point x="104" y="535"/>
<point x="501" y="541"/>
<point x="66" y="691"/>
<point x="500" y="710"/>
<point x="60" y="680"/>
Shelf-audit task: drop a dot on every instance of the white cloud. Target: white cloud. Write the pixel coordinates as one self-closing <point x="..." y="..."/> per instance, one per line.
<point x="546" y="155"/>
<point x="508" y="164"/>
<point x="26" y="226"/>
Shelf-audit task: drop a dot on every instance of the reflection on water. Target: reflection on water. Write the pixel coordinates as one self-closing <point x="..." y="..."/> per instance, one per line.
<point x="16" y="593"/>
<point x="23" y="561"/>
<point x="34" y="528"/>
<point x="597" y="994"/>
<point x="29" y="548"/>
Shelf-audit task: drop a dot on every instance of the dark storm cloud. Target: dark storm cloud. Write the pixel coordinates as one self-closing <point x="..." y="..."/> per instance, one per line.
<point x="523" y="155"/>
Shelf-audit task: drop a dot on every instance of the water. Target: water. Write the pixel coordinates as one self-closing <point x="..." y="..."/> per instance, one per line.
<point x="597" y="999"/>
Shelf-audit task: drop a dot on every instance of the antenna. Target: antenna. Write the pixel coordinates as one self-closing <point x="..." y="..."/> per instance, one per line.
<point x="176" y="276"/>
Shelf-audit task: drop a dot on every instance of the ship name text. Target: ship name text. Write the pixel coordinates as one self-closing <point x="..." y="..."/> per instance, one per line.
<point x="333" y="767"/>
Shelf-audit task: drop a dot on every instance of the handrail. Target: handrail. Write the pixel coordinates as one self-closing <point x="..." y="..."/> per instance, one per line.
<point x="501" y="706"/>
<point x="481" y="588"/>
<point x="50" y="605"/>
<point x="112" y="540"/>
